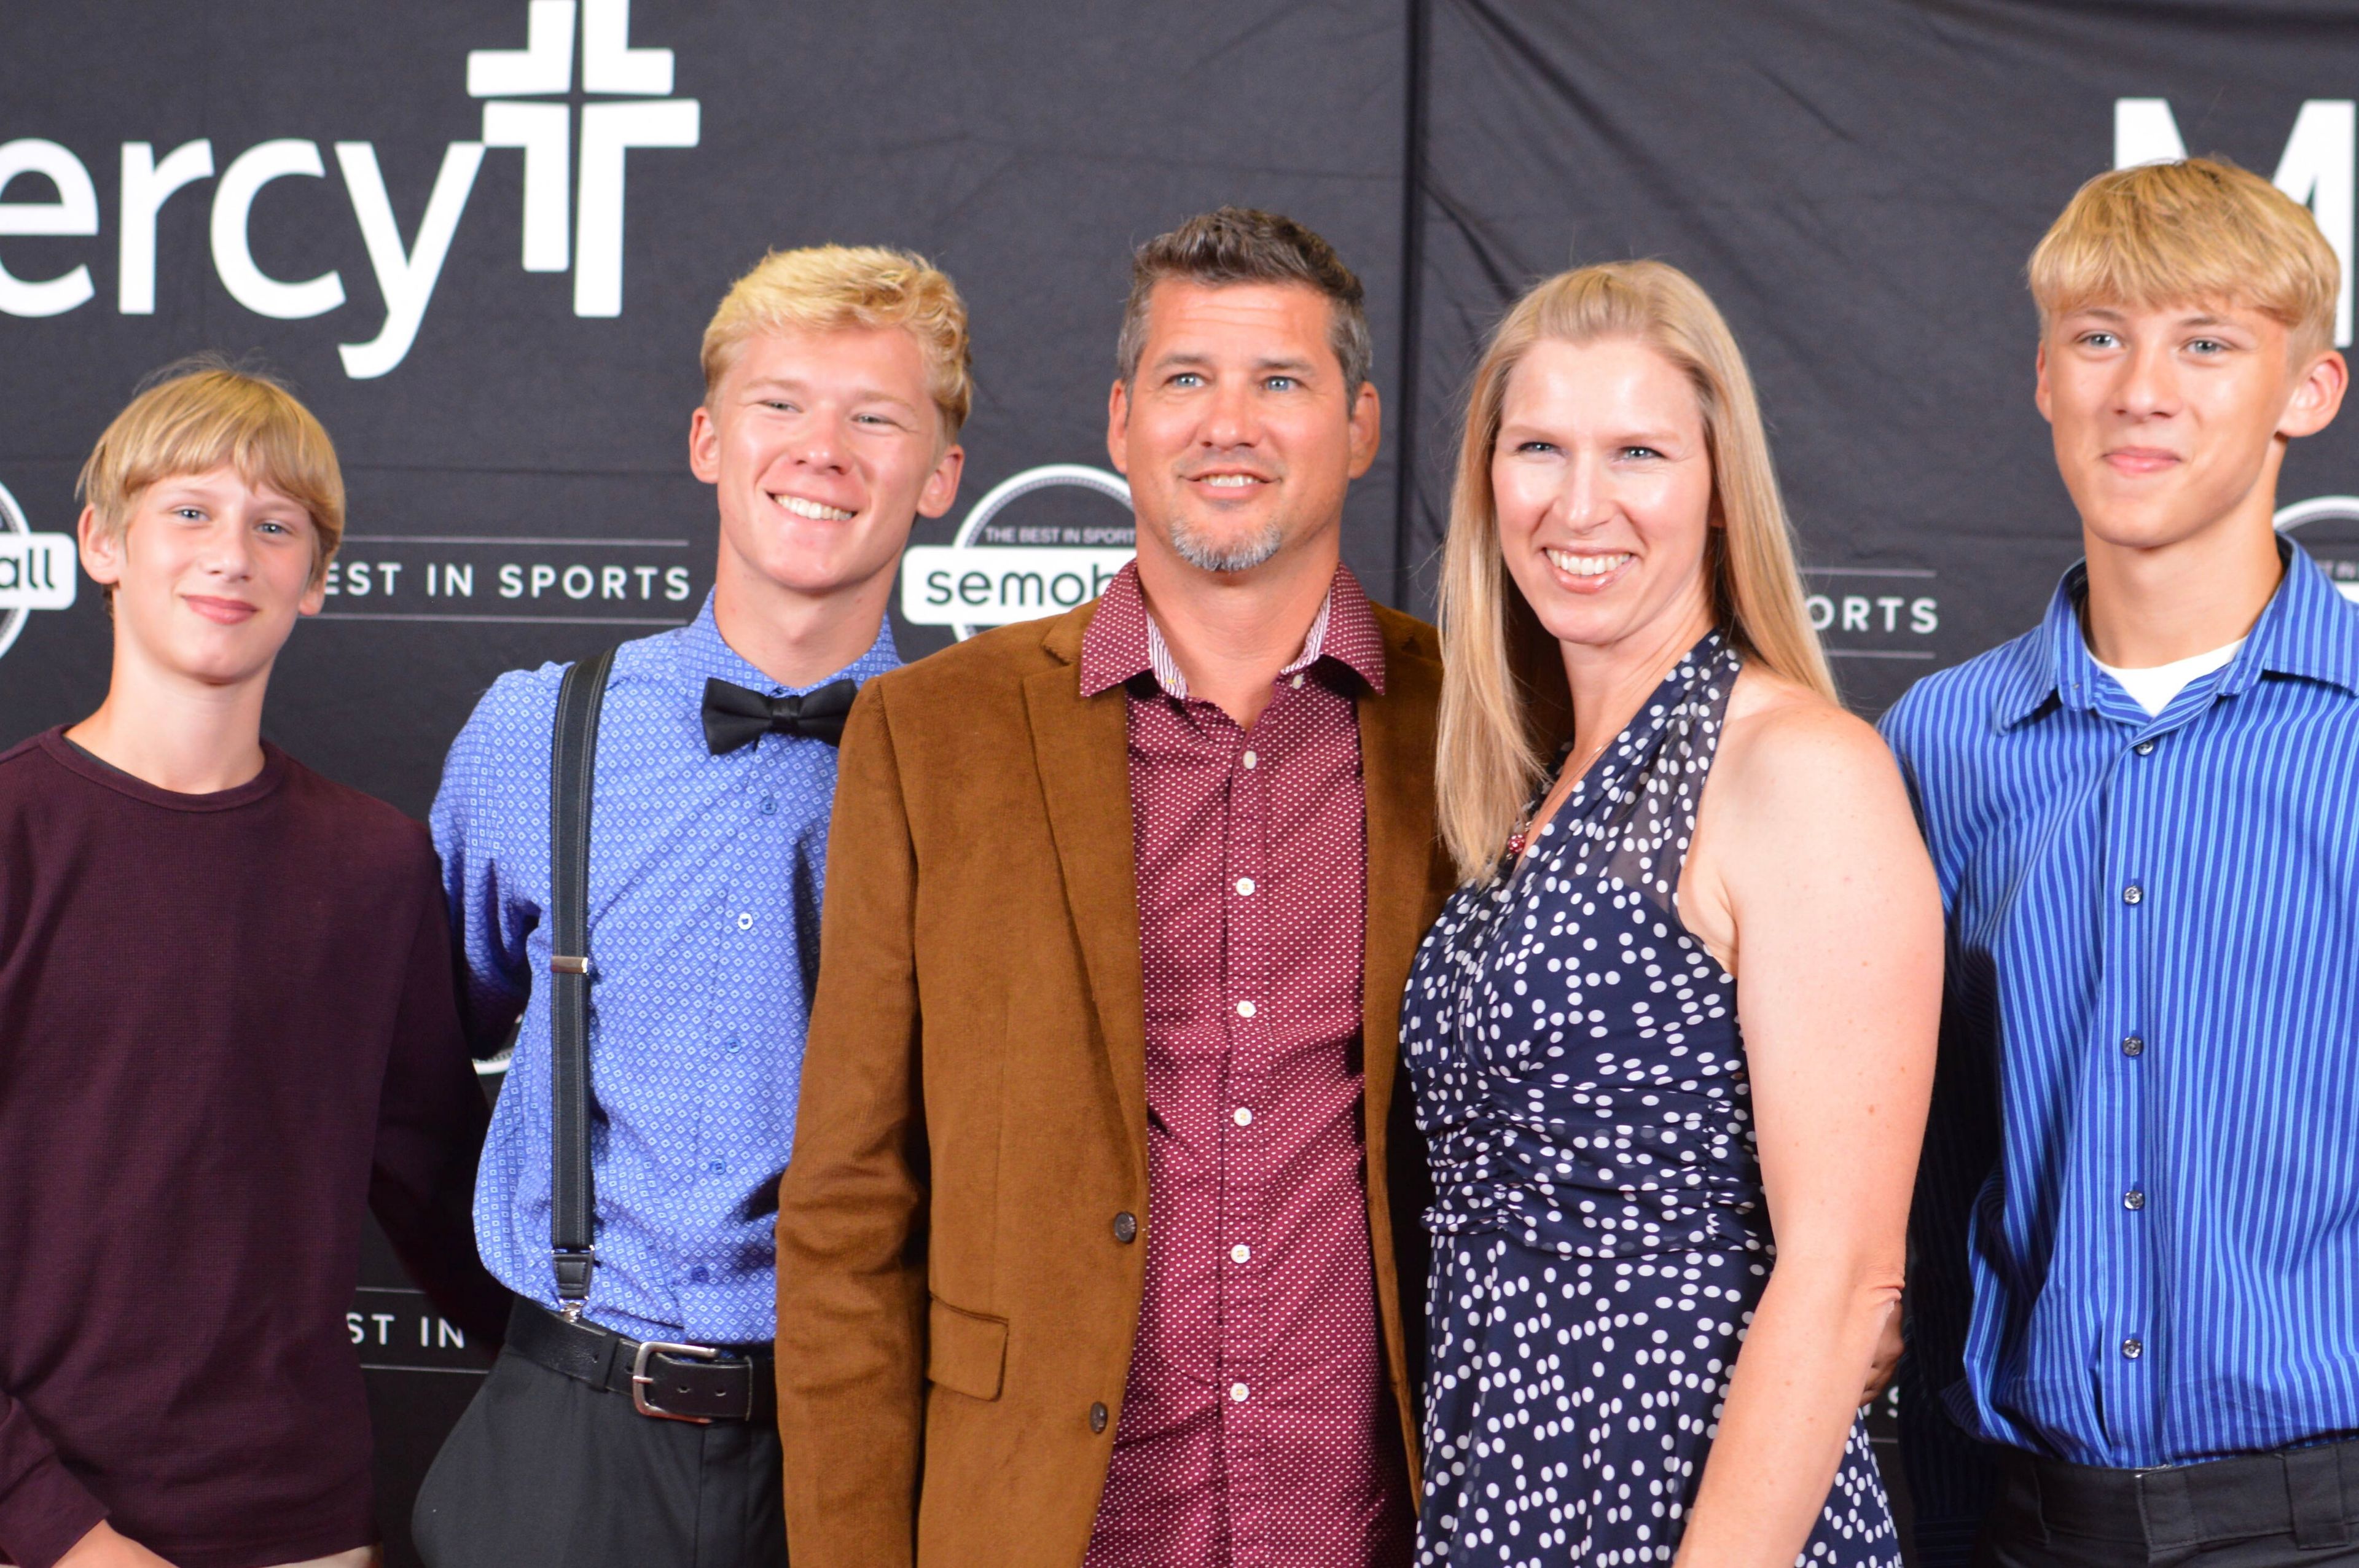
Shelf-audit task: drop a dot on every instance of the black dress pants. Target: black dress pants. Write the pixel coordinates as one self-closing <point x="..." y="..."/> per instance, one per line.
<point x="2298" y="1507"/>
<point x="546" y="1472"/>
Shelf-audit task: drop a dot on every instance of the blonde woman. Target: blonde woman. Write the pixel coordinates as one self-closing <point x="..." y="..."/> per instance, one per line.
<point x="1672" y="1040"/>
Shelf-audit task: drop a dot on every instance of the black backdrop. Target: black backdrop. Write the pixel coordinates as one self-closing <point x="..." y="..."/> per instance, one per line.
<point x="1857" y="181"/>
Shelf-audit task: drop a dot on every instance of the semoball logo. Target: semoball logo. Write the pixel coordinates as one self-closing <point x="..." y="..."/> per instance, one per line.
<point x="37" y="570"/>
<point x="2329" y="510"/>
<point x="573" y="148"/>
<point x="994" y="571"/>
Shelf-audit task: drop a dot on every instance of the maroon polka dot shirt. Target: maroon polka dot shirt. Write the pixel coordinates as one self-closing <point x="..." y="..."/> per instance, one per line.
<point x="1256" y="1431"/>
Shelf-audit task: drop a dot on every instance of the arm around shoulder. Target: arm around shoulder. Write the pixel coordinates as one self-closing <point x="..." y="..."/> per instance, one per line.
<point x="852" y="1207"/>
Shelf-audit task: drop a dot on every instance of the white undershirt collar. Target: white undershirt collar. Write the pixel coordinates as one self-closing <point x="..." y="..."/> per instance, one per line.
<point x="2152" y="688"/>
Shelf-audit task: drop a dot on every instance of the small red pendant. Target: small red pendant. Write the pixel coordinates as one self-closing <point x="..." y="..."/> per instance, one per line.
<point x="1515" y="842"/>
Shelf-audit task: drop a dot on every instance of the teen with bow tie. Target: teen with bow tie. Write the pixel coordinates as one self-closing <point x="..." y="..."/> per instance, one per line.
<point x="659" y="940"/>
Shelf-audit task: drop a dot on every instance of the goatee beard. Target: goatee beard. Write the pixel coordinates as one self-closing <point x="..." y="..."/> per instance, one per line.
<point x="1237" y="555"/>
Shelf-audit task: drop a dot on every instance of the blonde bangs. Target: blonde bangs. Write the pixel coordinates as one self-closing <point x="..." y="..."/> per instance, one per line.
<point x="2195" y="230"/>
<point x="204" y="415"/>
<point x="1505" y="708"/>
<point x="827" y="288"/>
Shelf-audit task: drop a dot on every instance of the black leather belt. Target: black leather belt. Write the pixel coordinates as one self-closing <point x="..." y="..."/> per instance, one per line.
<point x="2311" y="1494"/>
<point x="665" y="1379"/>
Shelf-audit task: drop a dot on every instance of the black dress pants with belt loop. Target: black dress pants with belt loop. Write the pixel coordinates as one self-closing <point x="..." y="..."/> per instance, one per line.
<point x="2298" y="1507"/>
<point x="546" y="1472"/>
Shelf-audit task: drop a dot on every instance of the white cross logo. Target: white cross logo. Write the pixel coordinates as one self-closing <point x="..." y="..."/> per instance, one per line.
<point x="544" y="67"/>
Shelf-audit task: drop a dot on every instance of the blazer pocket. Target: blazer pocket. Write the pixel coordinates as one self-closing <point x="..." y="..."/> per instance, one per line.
<point x="965" y="1352"/>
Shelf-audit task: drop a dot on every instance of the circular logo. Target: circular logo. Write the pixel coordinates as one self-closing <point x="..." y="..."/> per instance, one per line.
<point x="2326" y="509"/>
<point x="994" y="572"/>
<point x="12" y="521"/>
<point x="1015" y="486"/>
<point x="2318" y="509"/>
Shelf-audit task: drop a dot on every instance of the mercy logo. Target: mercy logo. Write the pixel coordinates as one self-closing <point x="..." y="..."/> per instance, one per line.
<point x="37" y="570"/>
<point x="976" y="580"/>
<point x="569" y="219"/>
<point x="516" y="80"/>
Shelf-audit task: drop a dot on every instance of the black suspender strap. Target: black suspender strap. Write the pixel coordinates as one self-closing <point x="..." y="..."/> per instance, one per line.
<point x="573" y="767"/>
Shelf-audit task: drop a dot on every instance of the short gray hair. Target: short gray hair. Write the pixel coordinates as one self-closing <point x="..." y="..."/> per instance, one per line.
<point x="1243" y="244"/>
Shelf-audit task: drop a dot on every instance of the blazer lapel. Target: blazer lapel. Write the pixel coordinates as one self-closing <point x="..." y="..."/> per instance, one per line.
<point x="1081" y="748"/>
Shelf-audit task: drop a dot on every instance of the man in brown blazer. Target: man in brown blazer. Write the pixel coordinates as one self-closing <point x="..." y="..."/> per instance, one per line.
<point x="1086" y="1252"/>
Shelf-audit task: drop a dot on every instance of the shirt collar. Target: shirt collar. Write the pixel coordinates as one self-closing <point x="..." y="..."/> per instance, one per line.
<point x="1124" y="641"/>
<point x="2308" y="631"/>
<point x="702" y="653"/>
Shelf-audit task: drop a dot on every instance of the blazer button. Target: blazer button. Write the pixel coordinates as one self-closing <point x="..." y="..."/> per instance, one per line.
<point x="1097" y="1418"/>
<point x="1126" y="1227"/>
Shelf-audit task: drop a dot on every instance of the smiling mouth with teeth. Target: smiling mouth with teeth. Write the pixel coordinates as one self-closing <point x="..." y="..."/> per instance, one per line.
<point x="1229" y="480"/>
<point x="1571" y="564"/>
<point x="813" y="509"/>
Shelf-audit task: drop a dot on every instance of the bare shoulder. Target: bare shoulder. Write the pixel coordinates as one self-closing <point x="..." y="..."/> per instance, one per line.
<point x="1782" y="737"/>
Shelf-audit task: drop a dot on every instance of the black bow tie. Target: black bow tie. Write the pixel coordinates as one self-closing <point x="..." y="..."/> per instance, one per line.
<point x="735" y="717"/>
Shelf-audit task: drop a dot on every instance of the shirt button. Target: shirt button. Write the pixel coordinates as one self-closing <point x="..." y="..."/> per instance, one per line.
<point x="1244" y="1010"/>
<point x="1126" y="1227"/>
<point x="1240" y="1253"/>
<point x="2133" y="1045"/>
<point x="2146" y="748"/>
<point x="1296" y="683"/>
<point x="698" y="1275"/>
<point x="1244" y="885"/>
<point x="1250" y="761"/>
<point x="1239" y="1393"/>
<point x="1242" y="1116"/>
<point x="2133" y="895"/>
<point x="1097" y="1418"/>
<point x="769" y="805"/>
<point x="716" y="1167"/>
<point x="2134" y="1199"/>
<point x="2132" y="1348"/>
<point x="730" y="1045"/>
<point x="746" y="921"/>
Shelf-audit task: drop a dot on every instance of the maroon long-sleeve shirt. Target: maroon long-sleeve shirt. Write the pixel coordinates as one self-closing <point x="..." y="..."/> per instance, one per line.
<point x="227" y="1022"/>
<point x="1257" y="1430"/>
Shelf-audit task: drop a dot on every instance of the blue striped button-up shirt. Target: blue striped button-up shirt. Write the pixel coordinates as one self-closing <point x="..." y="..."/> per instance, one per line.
<point x="2136" y="1233"/>
<point x="705" y="875"/>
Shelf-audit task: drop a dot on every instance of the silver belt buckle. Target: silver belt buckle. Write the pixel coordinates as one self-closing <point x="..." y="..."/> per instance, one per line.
<point x="641" y="1380"/>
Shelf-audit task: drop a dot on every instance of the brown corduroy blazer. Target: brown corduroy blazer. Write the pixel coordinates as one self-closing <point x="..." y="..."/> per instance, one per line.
<point x="954" y="1293"/>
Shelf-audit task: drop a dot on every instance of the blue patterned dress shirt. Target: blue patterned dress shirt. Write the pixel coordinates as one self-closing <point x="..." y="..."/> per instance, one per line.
<point x="705" y="874"/>
<point x="2137" y="1229"/>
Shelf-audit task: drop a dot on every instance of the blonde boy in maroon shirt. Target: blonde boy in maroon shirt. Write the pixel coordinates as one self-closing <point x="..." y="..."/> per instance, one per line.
<point x="227" y="1020"/>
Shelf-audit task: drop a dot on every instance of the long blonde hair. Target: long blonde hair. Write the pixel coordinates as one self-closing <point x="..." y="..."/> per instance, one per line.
<point x="1504" y="704"/>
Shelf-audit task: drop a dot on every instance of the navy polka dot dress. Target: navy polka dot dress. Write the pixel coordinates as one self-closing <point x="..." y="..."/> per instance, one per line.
<point x="1599" y="1234"/>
